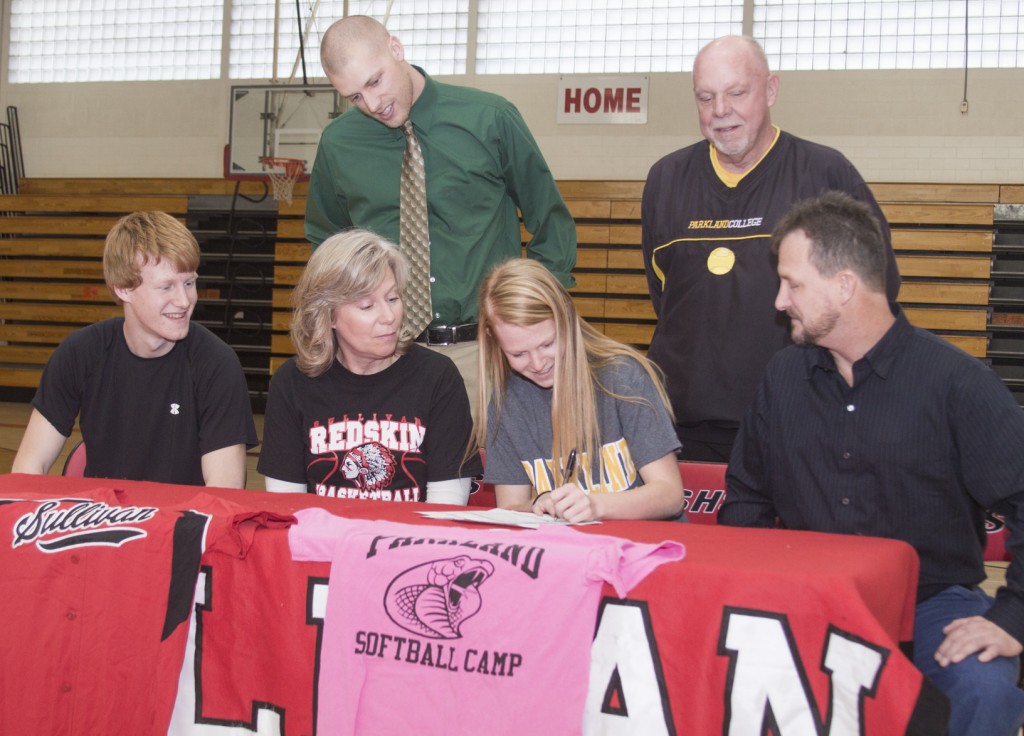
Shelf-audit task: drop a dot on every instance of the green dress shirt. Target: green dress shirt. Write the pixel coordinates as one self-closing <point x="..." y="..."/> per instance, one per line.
<point x="481" y="163"/>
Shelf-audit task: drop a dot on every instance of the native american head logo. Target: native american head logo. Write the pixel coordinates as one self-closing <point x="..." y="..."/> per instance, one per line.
<point x="370" y="466"/>
<point x="436" y="598"/>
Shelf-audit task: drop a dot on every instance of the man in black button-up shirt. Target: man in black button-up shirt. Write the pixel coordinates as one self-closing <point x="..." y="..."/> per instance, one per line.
<point x="869" y="425"/>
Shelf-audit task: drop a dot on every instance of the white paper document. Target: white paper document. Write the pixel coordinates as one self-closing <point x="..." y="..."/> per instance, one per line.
<point x="499" y="517"/>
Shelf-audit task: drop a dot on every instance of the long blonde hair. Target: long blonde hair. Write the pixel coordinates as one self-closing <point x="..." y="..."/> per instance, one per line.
<point x="345" y="268"/>
<point x="522" y="292"/>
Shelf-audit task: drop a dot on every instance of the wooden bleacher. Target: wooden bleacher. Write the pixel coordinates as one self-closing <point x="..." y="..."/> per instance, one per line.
<point x="942" y="234"/>
<point x="51" y="240"/>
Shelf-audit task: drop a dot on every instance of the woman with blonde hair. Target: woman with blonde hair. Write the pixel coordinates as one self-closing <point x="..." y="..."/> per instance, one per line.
<point x="362" y="411"/>
<point x="578" y="426"/>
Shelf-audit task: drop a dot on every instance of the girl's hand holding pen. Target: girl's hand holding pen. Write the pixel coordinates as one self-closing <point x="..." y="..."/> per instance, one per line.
<point x="568" y="501"/>
<point x="572" y="503"/>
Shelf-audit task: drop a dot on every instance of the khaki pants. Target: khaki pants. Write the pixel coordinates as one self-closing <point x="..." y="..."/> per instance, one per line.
<point x="465" y="357"/>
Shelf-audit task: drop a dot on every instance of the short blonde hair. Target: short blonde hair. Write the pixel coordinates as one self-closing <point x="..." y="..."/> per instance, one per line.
<point x="146" y="237"/>
<point x="346" y="267"/>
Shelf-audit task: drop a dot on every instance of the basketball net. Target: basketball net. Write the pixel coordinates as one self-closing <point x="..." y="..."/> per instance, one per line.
<point x="283" y="175"/>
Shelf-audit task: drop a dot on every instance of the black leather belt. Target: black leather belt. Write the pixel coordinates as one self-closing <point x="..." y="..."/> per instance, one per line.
<point x="448" y="334"/>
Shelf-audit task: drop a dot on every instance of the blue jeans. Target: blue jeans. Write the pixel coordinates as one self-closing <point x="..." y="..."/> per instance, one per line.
<point x="984" y="697"/>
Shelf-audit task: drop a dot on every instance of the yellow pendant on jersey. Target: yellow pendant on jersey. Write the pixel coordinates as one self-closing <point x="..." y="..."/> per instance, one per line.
<point x="721" y="261"/>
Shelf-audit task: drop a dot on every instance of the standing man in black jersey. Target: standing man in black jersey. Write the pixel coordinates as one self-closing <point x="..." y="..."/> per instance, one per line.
<point x="708" y="213"/>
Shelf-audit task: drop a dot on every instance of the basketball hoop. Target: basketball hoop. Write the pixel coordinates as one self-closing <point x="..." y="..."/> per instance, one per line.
<point x="283" y="182"/>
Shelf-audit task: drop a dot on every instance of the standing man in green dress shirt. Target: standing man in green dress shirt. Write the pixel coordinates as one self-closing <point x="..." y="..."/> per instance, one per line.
<point x="481" y="164"/>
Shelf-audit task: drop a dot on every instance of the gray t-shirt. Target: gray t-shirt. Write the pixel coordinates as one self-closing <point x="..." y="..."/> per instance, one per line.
<point x="633" y="433"/>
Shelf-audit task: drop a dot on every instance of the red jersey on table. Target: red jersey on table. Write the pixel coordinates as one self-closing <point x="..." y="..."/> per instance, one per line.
<point x="95" y="596"/>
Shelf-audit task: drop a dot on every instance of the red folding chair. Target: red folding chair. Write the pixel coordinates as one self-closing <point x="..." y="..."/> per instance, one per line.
<point x="704" y="486"/>
<point x="74" y="466"/>
<point x="482" y="494"/>
<point x="995" y="538"/>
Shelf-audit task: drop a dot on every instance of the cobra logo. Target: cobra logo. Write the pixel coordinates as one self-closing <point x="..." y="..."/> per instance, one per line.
<point x="436" y="598"/>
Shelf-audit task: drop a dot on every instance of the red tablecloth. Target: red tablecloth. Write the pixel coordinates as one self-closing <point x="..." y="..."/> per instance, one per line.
<point x="750" y="625"/>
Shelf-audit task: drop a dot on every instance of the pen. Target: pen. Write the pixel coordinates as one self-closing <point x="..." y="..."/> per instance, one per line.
<point x="570" y="465"/>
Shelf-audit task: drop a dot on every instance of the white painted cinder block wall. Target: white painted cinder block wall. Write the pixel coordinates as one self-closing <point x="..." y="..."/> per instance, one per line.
<point x="894" y="126"/>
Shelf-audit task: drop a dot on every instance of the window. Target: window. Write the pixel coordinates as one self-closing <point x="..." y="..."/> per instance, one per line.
<point x="122" y="40"/>
<point x="844" y="34"/>
<point x="112" y="40"/>
<point x="434" y="34"/>
<point x="598" y="36"/>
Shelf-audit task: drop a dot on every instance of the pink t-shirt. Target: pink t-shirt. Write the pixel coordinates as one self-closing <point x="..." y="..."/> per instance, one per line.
<point x="445" y="630"/>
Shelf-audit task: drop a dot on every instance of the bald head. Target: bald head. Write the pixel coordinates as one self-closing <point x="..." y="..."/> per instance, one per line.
<point x="734" y="91"/>
<point x="741" y="50"/>
<point x="367" y="66"/>
<point x="349" y="37"/>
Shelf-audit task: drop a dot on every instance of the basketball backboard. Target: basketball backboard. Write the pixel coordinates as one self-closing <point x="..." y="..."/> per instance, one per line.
<point x="281" y="121"/>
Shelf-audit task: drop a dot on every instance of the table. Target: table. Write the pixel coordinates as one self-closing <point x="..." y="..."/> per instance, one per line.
<point x="802" y="626"/>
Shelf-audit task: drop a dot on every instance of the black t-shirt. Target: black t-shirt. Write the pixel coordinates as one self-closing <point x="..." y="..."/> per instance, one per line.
<point x="147" y="418"/>
<point x="379" y="436"/>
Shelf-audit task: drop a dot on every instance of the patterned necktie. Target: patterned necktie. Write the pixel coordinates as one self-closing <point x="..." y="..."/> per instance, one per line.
<point x="414" y="234"/>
